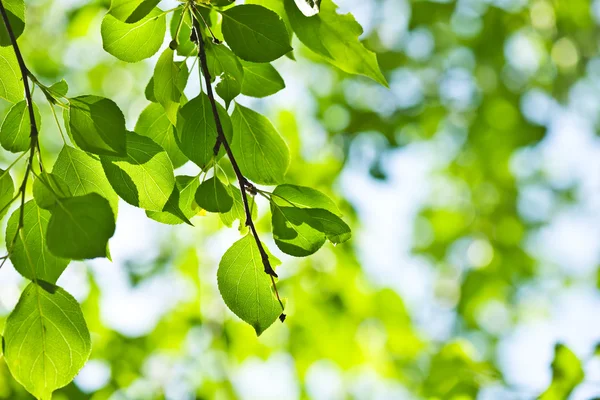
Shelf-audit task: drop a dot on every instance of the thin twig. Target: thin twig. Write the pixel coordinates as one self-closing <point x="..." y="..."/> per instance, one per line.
<point x="245" y="185"/>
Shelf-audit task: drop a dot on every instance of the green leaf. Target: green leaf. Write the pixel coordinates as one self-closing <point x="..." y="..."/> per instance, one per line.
<point x="46" y="340"/>
<point x="303" y="197"/>
<point x="278" y="7"/>
<point x="181" y="205"/>
<point x="294" y="231"/>
<point x="255" y="33"/>
<point x="567" y="373"/>
<point x="245" y="287"/>
<point x="319" y="213"/>
<point x="197" y="131"/>
<point x="334" y="228"/>
<point x="80" y="227"/>
<point x="223" y="63"/>
<point x="131" y="11"/>
<point x="59" y="88"/>
<point x="213" y="196"/>
<point x="335" y="37"/>
<point x="134" y="42"/>
<point x="167" y="75"/>
<point x="30" y="255"/>
<point x="48" y="189"/>
<point x="15" y="133"/>
<point x="155" y="124"/>
<point x="97" y="125"/>
<point x="7" y="189"/>
<point x="15" y="10"/>
<point x="11" y="87"/>
<point x="238" y="211"/>
<point x="149" y="91"/>
<point x="261" y="80"/>
<point x="144" y="178"/>
<point x="84" y="175"/>
<point x="262" y="154"/>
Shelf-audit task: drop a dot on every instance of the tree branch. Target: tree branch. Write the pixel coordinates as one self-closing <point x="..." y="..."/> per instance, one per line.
<point x="245" y="185"/>
<point x="28" y="98"/>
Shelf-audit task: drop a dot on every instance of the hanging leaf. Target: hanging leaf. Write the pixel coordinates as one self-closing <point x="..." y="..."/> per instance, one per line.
<point x="335" y="37"/>
<point x="155" y="124"/>
<point x="84" y="175"/>
<point x="197" y="131"/>
<point x="181" y="206"/>
<point x="261" y="153"/>
<point x="302" y="218"/>
<point x="224" y="64"/>
<point x="213" y="196"/>
<point x="48" y="189"/>
<point x="7" y="189"/>
<point x="15" y="133"/>
<point x="29" y="254"/>
<point x="11" y="87"/>
<point x="97" y="125"/>
<point x="168" y="89"/>
<point x="46" y="340"/>
<point x="15" y="11"/>
<point x="255" y="33"/>
<point x="261" y="80"/>
<point x="136" y="41"/>
<point x="131" y="11"/>
<point x="80" y="227"/>
<point x="145" y="177"/>
<point x="245" y="287"/>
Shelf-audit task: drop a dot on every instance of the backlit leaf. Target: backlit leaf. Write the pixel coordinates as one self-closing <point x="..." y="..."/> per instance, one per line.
<point x="261" y="152"/>
<point x="144" y="178"/>
<point x="245" y="287"/>
<point x="46" y="340"/>
<point x="335" y="37"/>
<point x="97" y="125"/>
<point x="136" y="41"/>
<point x="80" y="227"/>
<point x="197" y="131"/>
<point x="154" y="123"/>
<point x="15" y="133"/>
<point x="255" y="33"/>
<point x="30" y="255"/>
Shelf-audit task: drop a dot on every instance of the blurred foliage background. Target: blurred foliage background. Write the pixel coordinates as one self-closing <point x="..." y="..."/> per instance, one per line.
<point x="472" y="186"/>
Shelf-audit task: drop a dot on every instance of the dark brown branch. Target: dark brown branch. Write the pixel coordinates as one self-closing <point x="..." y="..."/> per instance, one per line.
<point x="245" y="185"/>
<point x="28" y="98"/>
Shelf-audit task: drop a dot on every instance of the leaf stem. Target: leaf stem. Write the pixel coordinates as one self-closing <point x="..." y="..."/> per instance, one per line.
<point x="245" y="185"/>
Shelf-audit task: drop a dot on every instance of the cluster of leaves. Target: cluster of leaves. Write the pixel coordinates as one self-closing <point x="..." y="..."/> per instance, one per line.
<point x="73" y="211"/>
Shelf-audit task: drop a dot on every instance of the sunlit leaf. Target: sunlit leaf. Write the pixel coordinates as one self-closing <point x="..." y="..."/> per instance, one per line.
<point x="154" y="123"/>
<point x="335" y="37"/>
<point x="255" y="33"/>
<point x="97" y="125"/>
<point x="46" y="340"/>
<point x="29" y="254"/>
<point x="145" y="177"/>
<point x="15" y="133"/>
<point x="136" y="41"/>
<point x="245" y="287"/>
<point x="261" y="152"/>
<point x="15" y="11"/>
<point x="80" y="227"/>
